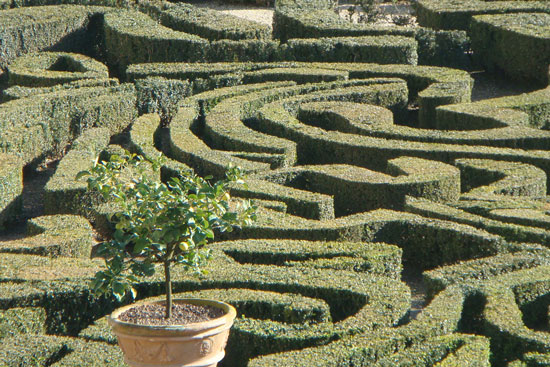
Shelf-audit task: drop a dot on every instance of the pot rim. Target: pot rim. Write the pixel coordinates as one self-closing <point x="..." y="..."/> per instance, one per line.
<point x="227" y="317"/>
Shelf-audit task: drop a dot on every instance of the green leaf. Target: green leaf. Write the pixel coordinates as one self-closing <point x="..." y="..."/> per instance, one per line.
<point x="119" y="290"/>
<point x="140" y="245"/>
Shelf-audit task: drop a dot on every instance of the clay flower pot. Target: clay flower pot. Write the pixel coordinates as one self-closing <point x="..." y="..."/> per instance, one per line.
<point x="198" y="344"/>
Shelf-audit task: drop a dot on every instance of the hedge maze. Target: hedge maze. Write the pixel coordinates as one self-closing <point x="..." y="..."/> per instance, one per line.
<point x="400" y="222"/>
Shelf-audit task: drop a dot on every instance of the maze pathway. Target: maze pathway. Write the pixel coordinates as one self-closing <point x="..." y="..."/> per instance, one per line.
<point x="399" y="222"/>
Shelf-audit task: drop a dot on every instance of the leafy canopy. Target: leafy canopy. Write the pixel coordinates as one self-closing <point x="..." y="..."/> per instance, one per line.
<point x="159" y="222"/>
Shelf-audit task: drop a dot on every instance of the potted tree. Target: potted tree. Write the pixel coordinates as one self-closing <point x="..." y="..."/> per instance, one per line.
<point x="160" y="225"/>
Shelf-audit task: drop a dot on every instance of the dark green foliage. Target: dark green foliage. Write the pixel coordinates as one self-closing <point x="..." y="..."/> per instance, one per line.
<point x="45" y="69"/>
<point x="375" y="258"/>
<point x="43" y="350"/>
<point x="18" y="321"/>
<point x="248" y="50"/>
<point x="449" y="14"/>
<point x="11" y="187"/>
<point x="517" y="44"/>
<point x="35" y="29"/>
<point x="63" y="194"/>
<point x="443" y="48"/>
<point x="45" y="124"/>
<point x="381" y="49"/>
<point x="503" y="321"/>
<point x="211" y="24"/>
<point x="17" y="92"/>
<point x="133" y="37"/>
<point x="160" y="95"/>
<point x="57" y="235"/>
<point x="511" y="232"/>
<point x="440" y="318"/>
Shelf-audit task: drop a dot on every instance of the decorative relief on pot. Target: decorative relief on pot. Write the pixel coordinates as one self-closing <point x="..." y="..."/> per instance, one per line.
<point x="206" y="347"/>
<point x="163" y="355"/>
<point x="138" y="348"/>
<point x="150" y="352"/>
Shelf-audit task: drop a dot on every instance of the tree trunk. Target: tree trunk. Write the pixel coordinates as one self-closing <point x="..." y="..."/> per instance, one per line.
<point x="168" y="289"/>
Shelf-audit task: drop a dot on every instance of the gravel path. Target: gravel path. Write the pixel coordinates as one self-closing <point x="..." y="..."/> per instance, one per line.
<point x="260" y="14"/>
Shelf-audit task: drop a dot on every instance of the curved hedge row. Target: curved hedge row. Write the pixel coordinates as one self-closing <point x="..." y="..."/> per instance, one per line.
<point x="27" y="30"/>
<point x="448" y="14"/>
<point x="353" y="308"/>
<point x="45" y="69"/>
<point x="302" y="19"/>
<point x="38" y="125"/>
<point x="508" y="36"/>
<point x="354" y="184"/>
<point x="518" y="44"/>
<point x="54" y="236"/>
<point x="16" y="92"/>
<point x="211" y="24"/>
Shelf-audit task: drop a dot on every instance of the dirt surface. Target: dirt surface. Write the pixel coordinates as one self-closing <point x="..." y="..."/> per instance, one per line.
<point x="260" y="14"/>
<point x="182" y="314"/>
<point x="386" y="14"/>
<point x="413" y="278"/>
<point x="490" y="86"/>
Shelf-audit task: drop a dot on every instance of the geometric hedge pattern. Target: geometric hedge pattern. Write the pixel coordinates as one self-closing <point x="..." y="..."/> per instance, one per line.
<point x="363" y="149"/>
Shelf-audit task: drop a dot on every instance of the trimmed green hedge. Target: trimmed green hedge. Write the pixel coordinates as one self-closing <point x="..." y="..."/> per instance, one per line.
<point x="449" y="14"/>
<point x="55" y="235"/>
<point x="517" y="44"/>
<point x="485" y="179"/>
<point x="11" y="188"/>
<point x="300" y="203"/>
<point x="375" y="258"/>
<point x="17" y="92"/>
<point x="63" y="193"/>
<point x="525" y="217"/>
<point x="380" y="49"/>
<point x="45" y="124"/>
<point x="224" y="129"/>
<point x="331" y="146"/>
<point x="356" y="189"/>
<point x="512" y="232"/>
<point x="341" y="119"/>
<point x="425" y="242"/>
<point x="305" y="4"/>
<point x="428" y="86"/>
<point x="125" y="44"/>
<point x="25" y="30"/>
<point x="482" y="269"/>
<point x="143" y="137"/>
<point x="300" y="75"/>
<point x="133" y="37"/>
<point x="248" y="50"/>
<point x="186" y="147"/>
<point x="161" y="95"/>
<point x="528" y="110"/>
<point x="211" y="24"/>
<point x="56" y="351"/>
<point x="20" y="321"/>
<point x="441" y="317"/>
<point x="441" y="48"/>
<point x="510" y="303"/>
<point x="45" y="69"/>
<point x="315" y="313"/>
<point x="449" y="350"/>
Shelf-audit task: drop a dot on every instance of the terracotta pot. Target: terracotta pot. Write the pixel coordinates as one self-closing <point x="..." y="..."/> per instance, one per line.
<point x="199" y="344"/>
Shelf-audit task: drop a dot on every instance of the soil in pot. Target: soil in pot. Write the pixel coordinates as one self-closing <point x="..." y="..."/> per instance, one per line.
<point x="182" y="314"/>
